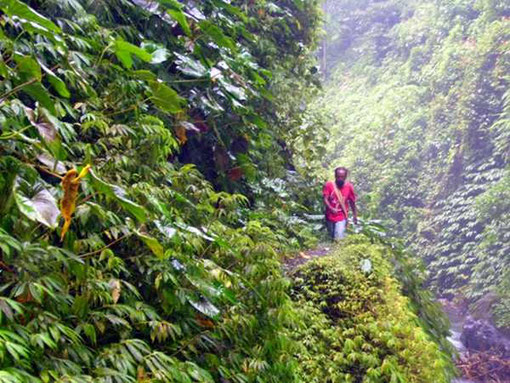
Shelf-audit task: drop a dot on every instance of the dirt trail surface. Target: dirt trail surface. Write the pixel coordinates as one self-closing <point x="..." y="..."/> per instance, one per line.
<point x="321" y="250"/>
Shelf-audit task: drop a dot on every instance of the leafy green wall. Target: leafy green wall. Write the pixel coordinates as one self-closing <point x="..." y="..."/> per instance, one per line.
<point x="163" y="274"/>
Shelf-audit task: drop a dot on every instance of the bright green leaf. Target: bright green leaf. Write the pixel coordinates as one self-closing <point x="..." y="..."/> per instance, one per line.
<point x="180" y="17"/>
<point x="25" y="13"/>
<point x="57" y="83"/>
<point x="28" y="68"/>
<point x="123" y="50"/>
<point x="39" y="93"/>
<point x="165" y="98"/>
<point x="143" y="74"/>
<point x="118" y="194"/>
<point x="217" y="35"/>
<point x="153" y="244"/>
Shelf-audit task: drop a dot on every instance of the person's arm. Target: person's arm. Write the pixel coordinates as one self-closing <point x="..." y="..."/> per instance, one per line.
<point x="326" y="202"/>
<point x="352" y="203"/>
<point x="325" y="193"/>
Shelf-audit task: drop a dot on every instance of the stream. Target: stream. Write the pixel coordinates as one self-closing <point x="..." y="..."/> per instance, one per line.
<point x="456" y="321"/>
<point x="479" y="333"/>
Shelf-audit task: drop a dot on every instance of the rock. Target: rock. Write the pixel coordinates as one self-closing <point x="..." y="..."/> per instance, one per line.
<point x="482" y="308"/>
<point x="480" y="335"/>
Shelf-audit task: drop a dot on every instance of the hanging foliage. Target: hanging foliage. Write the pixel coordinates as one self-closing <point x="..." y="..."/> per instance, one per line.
<point x="155" y="275"/>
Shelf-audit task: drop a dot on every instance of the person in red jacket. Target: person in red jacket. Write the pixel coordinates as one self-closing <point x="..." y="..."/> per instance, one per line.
<point x="338" y="196"/>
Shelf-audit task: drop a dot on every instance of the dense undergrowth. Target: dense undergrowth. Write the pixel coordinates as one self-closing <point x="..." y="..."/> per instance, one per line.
<point x="358" y="325"/>
<point x="155" y="164"/>
<point x="162" y="275"/>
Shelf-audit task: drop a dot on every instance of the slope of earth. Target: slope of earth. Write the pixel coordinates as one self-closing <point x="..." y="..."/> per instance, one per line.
<point x="358" y="325"/>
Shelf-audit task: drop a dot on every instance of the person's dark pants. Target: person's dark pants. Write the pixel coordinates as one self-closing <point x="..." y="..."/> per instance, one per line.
<point x="336" y="230"/>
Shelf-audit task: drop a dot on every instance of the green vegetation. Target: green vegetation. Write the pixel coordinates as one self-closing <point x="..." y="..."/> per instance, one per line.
<point x="159" y="157"/>
<point x="163" y="276"/>
<point x="417" y="96"/>
<point x="358" y="327"/>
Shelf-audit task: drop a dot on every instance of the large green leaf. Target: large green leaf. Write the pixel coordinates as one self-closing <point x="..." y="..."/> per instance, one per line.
<point x="236" y="91"/>
<point x="232" y="9"/>
<point x="56" y="82"/>
<point x="180" y="17"/>
<point x="159" y="56"/>
<point x="28" y="68"/>
<point x="42" y="207"/>
<point x="15" y="8"/>
<point x="123" y="50"/>
<point x="190" y="66"/>
<point x="144" y="74"/>
<point x="39" y="93"/>
<point x="158" y="52"/>
<point x="9" y="307"/>
<point x="199" y="374"/>
<point x="217" y="35"/>
<point x="173" y="4"/>
<point x="4" y="69"/>
<point x="118" y="194"/>
<point x="125" y="58"/>
<point x="153" y="244"/>
<point x="165" y="98"/>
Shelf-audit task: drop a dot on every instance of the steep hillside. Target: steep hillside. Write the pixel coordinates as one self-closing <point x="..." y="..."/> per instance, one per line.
<point x="418" y="109"/>
<point x="156" y="163"/>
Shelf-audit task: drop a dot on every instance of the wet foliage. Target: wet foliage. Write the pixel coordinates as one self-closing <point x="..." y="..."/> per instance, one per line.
<point x="128" y="131"/>
<point x="157" y="159"/>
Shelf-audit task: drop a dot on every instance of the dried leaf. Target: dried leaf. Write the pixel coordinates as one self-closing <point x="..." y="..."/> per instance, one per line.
<point x="115" y="286"/>
<point x="204" y="322"/>
<point x="180" y="132"/>
<point x="70" y="184"/>
<point x="235" y="174"/>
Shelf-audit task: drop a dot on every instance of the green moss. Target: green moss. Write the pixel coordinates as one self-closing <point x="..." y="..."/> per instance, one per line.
<point x="359" y="327"/>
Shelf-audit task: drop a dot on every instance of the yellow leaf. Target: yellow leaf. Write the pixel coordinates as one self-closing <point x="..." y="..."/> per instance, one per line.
<point x="70" y="183"/>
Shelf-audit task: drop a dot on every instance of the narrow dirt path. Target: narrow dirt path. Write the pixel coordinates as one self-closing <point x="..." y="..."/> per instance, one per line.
<point x="322" y="250"/>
